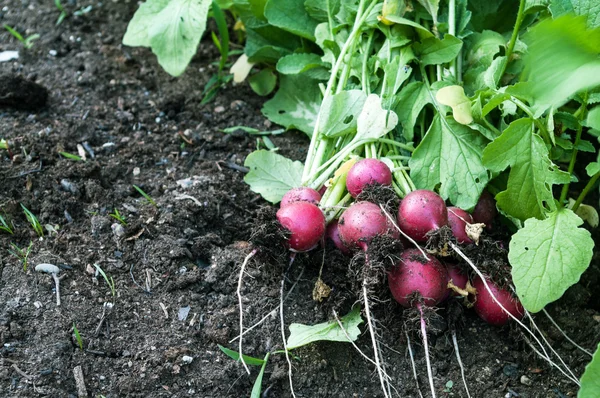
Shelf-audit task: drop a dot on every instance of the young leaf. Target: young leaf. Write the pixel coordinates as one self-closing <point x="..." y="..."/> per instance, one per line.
<point x="257" y="387"/>
<point x="411" y="101"/>
<point x="374" y="121"/>
<point x="272" y="175"/>
<point x="432" y="7"/>
<point x="454" y="96"/>
<point x="450" y="155"/>
<point x="301" y="335"/>
<point x="339" y="112"/>
<point x="296" y="104"/>
<point x="593" y="118"/>
<point x="433" y="51"/>
<point x="421" y="30"/>
<point x="291" y="15"/>
<point x="529" y="189"/>
<point x="263" y="82"/>
<point x="236" y="356"/>
<point x="587" y="8"/>
<point x="548" y="256"/>
<point x="322" y="10"/>
<point x="562" y="60"/>
<point x="590" y="381"/>
<point x="297" y="63"/>
<point x="171" y="28"/>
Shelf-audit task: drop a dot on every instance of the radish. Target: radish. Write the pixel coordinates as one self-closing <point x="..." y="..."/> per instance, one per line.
<point x="418" y="282"/>
<point x="367" y="172"/>
<point x="416" y="276"/>
<point x="457" y="281"/>
<point x="489" y="310"/>
<point x="420" y="212"/>
<point x="485" y="210"/>
<point x="361" y="222"/>
<point x="458" y="220"/>
<point x="306" y="224"/>
<point x="333" y="233"/>
<point x="300" y="194"/>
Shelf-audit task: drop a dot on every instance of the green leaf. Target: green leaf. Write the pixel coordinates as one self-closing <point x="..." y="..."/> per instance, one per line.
<point x="421" y="30"/>
<point x="529" y="189"/>
<point x="263" y="82"/>
<point x="548" y="256"/>
<point x="532" y="6"/>
<point x="454" y="97"/>
<point x="171" y="28"/>
<point x="290" y="15"/>
<point x="272" y="175"/>
<point x="562" y="60"/>
<point x="298" y="63"/>
<point x="257" y="387"/>
<point x="322" y="10"/>
<point x="236" y="356"/>
<point x="339" y="113"/>
<point x="411" y="101"/>
<point x="396" y="73"/>
<point x="482" y="47"/>
<point x="450" y="155"/>
<point x="593" y="118"/>
<point x="586" y="8"/>
<point x="590" y="381"/>
<point x="592" y="169"/>
<point x="374" y="121"/>
<point x="296" y="104"/>
<point x="433" y="51"/>
<point x="432" y="7"/>
<point x="301" y="335"/>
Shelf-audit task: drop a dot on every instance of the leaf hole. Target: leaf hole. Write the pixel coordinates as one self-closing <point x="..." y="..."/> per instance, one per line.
<point x="281" y="112"/>
<point x="526" y="248"/>
<point x="348" y="119"/>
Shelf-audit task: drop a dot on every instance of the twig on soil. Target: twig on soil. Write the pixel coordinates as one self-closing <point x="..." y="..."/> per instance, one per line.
<point x="412" y="361"/>
<point x="239" y="294"/>
<point x="378" y="365"/>
<point x="234" y="166"/>
<point x="272" y="312"/>
<point x="24" y="173"/>
<point x="106" y="309"/>
<point x="19" y="371"/>
<point x="80" y="381"/>
<point x="411" y="240"/>
<point x="282" y="320"/>
<point x="53" y="270"/>
<point x="565" y="335"/>
<point x="483" y="279"/>
<point x="182" y="197"/>
<point x="462" y="368"/>
<point x="134" y="281"/>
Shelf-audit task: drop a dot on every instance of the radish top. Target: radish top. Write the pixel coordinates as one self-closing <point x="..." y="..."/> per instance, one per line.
<point x="367" y="172"/>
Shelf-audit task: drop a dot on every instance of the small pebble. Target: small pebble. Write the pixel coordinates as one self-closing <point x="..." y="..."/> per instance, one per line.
<point x="53" y="53"/>
<point x="526" y="380"/>
<point x="118" y="230"/>
<point x="220" y="109"/>
<point x="136" y="171"/>
<point x="186" y="359"/>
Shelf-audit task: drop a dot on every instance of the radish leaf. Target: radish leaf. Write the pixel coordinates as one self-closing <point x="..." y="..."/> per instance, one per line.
<point x="272" y="175"/>
<point x="291" y="15"/>
<point x="590" y="381"/>
<point x="171" y="28"/>
<point x="411" y="101"/>
<point x="338" y="112"/>
<point x="589" y="8"/>
<point x="529" y="189"/>
<point x="450" y="155"/>
<point x="548" y="256"/>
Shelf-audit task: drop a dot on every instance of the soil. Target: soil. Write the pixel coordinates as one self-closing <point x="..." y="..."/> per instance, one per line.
<point x="175" y="265"/>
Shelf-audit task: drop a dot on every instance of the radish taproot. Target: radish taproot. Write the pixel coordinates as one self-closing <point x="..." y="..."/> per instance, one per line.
<point x="458" y="220"/>
<point x="415" y="276"/>
<point x="420" y="212"/>
<point x="361" y="222"/>
<point x="306" y="224"/>
<point x="367" y="172"/>
<point x="300" y="194"/>
<point x="489" y="310"/>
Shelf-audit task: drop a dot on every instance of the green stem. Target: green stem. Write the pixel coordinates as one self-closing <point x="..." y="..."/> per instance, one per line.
<point x="579" y="114"/>
<point x="585" y="191"/>
<point x="452" y="31"/>
<point x="515" y="35"/>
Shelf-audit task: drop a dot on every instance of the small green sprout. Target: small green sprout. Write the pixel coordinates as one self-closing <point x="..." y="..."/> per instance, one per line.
<point x="70" y="156"/>
<point x="3" y="144"/>
<point x="145" y="195"/>
<point x="33" y="221"/>
<point x="78" y="336"/>
<point x="27" y="42"/>
<point x="63" y="12"/>
<point x="117" y="216"/>
<point x="109" y="281"/>
<point x="4" y="226"/>
<point x="21" y="254"/>
<point x="449" y="385"/>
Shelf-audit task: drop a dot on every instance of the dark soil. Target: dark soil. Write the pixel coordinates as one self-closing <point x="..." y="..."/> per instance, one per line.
<point x="186" y="252"/>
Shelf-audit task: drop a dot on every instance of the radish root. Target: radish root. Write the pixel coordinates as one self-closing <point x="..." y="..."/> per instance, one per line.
<point x="565" y="335"/>
<point x="412" y="361"/>
<point x="426" y="347"/>
<point x="282" y="320"/>
<point x="462" y="368"/>
<point x="239" y="294"/>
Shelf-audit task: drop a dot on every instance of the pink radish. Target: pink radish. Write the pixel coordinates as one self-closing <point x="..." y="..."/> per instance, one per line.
<point x="420" y="212"/>
<point x="367" y="172"/>
<point x="300" y="194"/>
<point x="458" y="220"/>
<point x="305" y="222"/>
<point x="485" y="210"/>
<point x="333" y="233"/>
<point x="489" y="310"/>
<point x="361" y="222"/>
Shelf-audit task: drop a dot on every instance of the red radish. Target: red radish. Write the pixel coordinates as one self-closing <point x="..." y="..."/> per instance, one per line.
<point x="458" y="279"/>
<point x="458" y="220"/>
<point x="361" y="222"/>
<point x="333" y="233"/>
<point x="485" y="210"/>
<point x="420" y="212"/>
<point x="415" y="274"/>
<point x="300" y="194"/>
<point x="489" y="310"/>
<point x="305" y="222"/>
<point x="322" y="190"/>
<point x="367" y="172"/>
